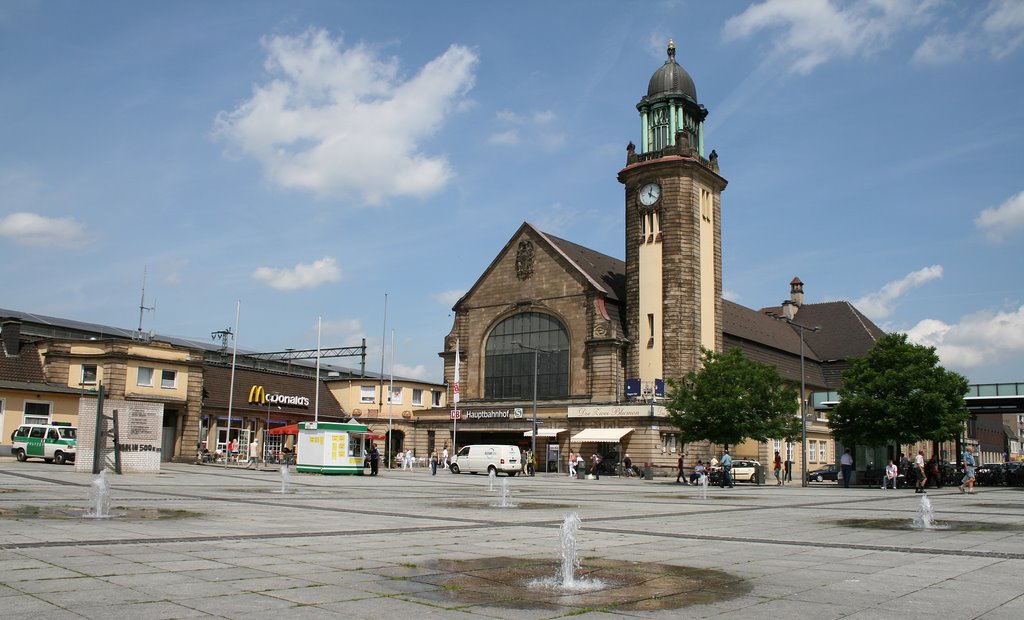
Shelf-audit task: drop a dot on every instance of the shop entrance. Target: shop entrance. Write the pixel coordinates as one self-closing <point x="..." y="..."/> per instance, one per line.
<point x="502" y="438"/>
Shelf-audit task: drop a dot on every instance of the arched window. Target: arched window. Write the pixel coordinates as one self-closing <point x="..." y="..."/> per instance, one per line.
<point x="509" y="369"/>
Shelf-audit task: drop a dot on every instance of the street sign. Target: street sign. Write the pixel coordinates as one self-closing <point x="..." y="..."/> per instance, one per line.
<point x="456" y="414"/>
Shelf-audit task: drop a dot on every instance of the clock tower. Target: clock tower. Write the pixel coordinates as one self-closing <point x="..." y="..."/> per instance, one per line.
<point x="673" y="234"/>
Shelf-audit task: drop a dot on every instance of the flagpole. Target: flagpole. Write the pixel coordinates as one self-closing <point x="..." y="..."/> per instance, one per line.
<point x="455" y="397"/>
<point x="391" y="389"/>
<point x="380" y="405"/>
<point x="316" y="393"/>
<point x="231" y="391"/>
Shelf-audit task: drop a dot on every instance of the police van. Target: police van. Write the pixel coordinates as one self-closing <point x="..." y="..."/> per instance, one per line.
<point x="54" y="443"/>
<point x="487" y="458"/>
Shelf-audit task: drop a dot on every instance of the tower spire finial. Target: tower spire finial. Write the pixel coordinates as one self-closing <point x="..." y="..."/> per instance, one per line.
<point x="671" y="50"/>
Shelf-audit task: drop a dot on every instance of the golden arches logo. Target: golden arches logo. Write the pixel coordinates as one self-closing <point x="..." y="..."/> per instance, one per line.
<point x="258" y="395"/>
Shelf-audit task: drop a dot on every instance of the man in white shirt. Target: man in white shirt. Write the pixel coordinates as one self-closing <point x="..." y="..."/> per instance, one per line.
<point x="922" y="476"/>
<point x="444" y="458"/>
<point x="889" y="479"/>
<point x="847" y="463"/>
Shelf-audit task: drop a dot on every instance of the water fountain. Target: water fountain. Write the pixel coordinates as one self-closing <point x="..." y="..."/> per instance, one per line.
<point x="704" y="486"/>
<point x="570" y="557"/>
<point x="285" y="481"/>
<point x="925" y="519"/>
<point x="99" y="497"/>
<point x="491" y="475"/>
<point x="505" y="499"/>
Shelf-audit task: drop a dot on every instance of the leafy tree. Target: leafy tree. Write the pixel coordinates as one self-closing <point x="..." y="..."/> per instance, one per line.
<point x="731" y="398"/>
<point x="899" y="393"/>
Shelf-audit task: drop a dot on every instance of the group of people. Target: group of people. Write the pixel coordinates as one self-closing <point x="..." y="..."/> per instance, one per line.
<point x="575" y="461"/>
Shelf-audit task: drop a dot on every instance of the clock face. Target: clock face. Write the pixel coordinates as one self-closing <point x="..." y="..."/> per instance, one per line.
<point x="650" y="194"/>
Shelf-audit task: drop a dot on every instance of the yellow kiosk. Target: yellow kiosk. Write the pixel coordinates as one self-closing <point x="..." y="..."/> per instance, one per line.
<point x="330" y="448"/>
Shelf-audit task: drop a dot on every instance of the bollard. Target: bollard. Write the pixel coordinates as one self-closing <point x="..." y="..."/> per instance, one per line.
<point x="648" y="472"/>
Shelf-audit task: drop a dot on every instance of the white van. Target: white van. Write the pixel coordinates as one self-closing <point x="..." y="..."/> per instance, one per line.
<point x="487" y="458"/>
<point x="54" y="443"/>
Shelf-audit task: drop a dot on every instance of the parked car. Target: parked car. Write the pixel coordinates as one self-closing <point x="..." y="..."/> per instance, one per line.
<point x="54" y="443"/>
<point x="744" y="470"/>
<point x="828" y="472"/>
<point x="487" y="458"/>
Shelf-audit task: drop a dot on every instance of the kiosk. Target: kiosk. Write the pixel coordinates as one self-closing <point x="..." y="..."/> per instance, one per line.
<point x="330" y="448"/>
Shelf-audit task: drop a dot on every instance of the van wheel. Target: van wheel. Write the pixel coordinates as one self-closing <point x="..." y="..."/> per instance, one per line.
<point x="453" y="468"/>
<point x="512" y="474"/>
<point x="20" y="455"/>
<point x="491" y="470"/>
<point x="58" y="458"/>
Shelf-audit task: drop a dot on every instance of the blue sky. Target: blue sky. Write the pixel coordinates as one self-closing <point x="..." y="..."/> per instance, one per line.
<point x="307" y="158"/>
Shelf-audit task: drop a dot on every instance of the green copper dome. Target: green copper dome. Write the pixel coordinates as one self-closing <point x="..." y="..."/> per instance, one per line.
<point x="671" y="78"/>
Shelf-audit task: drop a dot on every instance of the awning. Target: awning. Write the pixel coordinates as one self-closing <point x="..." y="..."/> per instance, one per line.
<point x="291" y="429"/>
<point x="601" y="435"/>
<point x="545" y="432"/>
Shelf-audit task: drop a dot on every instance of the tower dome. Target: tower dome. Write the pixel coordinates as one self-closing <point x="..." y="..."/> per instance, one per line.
<point x="671" y="78"/>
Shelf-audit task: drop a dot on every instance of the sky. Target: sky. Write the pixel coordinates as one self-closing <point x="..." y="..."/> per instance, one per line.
<point x="298" y="163"/>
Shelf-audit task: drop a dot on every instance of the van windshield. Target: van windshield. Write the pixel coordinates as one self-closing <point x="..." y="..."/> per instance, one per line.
<point x="464" y="451"/>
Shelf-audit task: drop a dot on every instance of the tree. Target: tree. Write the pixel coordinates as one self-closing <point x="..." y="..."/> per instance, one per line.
<point x="899" y="393"/>
<point x="731" y="398"/>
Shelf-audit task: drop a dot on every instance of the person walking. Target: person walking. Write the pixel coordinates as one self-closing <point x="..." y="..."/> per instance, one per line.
<point x="788" y="466"/>
<point x="967" y="484"/>
<point x="433" y="462"/>
<point x="531" y="467"/>
<point x="444" y="457"/>
<point x="922" y="474"/>
<point x="778" y="469"/>
<point x="595" y="465"/>
<point x="572" y="464"/>
<point x="847" y="463"/>
<point x="726" y="463"/>
<point x="407" y="464"/>
<point x="374" y="460"/>
<point x="679" y="476"/>
<point x="889" y="479"/>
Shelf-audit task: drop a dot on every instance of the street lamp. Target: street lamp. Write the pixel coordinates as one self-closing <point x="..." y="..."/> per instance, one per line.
<point x="803" y="390"/>
<point x="536" y="353"/>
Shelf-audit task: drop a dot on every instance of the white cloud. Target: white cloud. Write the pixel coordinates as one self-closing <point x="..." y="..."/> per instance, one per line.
<point x="531" y="129"/>
<point x="505" y="138"/>
<point x="1004" y="220"/>
<point x="342" y="332"/>
<point x="882" y="303"/>
<point x="343" y="122"/>
<point x="983" y="338"/>
<point x="301" y="275"/>
<point x="816" y="31"/>
<point x="448" y="298"/>
<point x="418" y="371"/>
<point x="732" y="296"/>
<point x="998" y="30"/>
<point x="38" y="230"/>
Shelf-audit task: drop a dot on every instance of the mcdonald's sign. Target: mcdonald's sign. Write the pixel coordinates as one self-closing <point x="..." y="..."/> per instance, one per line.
<point x="258" y="395"/>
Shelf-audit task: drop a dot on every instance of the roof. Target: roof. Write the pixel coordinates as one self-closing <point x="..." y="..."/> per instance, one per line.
<point x="217" y="387"/>
<point x="607" y="272"/>
<point x="845" y="332"/>
<point x="671" y="78"/>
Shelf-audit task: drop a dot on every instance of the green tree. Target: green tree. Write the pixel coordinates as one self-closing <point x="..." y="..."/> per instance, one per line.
<point x="899" y="393"/>
<point x="731" y="398"/>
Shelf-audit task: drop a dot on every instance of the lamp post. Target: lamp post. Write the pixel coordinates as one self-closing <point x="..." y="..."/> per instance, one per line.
<point x="803" y="402"/>
<point x="536" y="354"/>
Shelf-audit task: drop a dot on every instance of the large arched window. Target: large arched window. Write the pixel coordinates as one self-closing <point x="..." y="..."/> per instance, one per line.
<point x="508" y="369"/>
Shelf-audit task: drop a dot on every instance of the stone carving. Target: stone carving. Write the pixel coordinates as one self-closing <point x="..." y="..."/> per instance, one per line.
<point x="524" y="260"/>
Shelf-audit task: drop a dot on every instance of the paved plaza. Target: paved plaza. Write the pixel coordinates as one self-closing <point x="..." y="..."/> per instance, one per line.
<point x="225" y="542"/>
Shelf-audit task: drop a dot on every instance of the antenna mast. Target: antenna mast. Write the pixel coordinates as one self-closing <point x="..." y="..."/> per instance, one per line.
<point x="142" y="302"/>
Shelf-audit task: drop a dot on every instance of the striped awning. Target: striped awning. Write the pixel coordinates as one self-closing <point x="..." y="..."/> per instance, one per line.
<point x="546" y="432"/>
<point x="601" y="435"/>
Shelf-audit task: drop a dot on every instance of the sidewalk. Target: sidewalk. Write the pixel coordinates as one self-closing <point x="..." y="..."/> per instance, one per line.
<point x="384" y="547"/>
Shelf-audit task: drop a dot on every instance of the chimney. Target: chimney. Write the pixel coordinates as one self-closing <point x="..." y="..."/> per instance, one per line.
<point x="789" y="309"/>
<point x="796" y="292"/>
<point x="10" y="332"/>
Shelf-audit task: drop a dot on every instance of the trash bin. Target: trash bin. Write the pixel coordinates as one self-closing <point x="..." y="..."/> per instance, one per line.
<point x="762" y="473"/>
<point x="581" y="472"/>
<point x="648" y="472"/>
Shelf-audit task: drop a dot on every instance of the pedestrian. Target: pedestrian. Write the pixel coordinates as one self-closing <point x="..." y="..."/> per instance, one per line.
<point x="726" y="470"/>
<point x="889" y="479"/>
<point x="374" y="460"/>
<point x="572" y="464"/>
<point x="933" y="471"/>
<point x="444" y="457"/>
<point x="922" y="474"/>
<point x="627" y="467"/>
<point x="233" y="450"/>
<point x="595" y="461"/>
<point x="967" y="484"/>
<point x="778" y="469"/>
<point x="531" y="468"/>
<point x="679" y="476"/>
<point x="254" y="453"/>
<point x="699" y="471"/>
<point x="433" y="462"/>
<point x="789" y="470"/>
<point x="408" y="460"/>
<point x="847" y="463"/>
<point x="580" y="463"/>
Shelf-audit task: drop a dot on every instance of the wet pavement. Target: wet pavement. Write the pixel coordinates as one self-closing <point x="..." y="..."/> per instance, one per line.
<point x="225" y="542"/>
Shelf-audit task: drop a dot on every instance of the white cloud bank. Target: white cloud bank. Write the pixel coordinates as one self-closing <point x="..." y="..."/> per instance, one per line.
<point x="300" y="276"/>
<point x="1004" y="220"/>
<point x="418" y="371"/>
<point x="343" y="122"/>
<point x="983" y="338"/>
<point x="38" y="230"/>
<point x="882" y="303"/>
<point x="533" y="130"/>
<point x="816" y="31"/>
<point x="997" y="30"/>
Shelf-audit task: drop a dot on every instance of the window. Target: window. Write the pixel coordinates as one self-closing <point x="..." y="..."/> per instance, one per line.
<point x="668" y="442"/>
<point x="789" y="452"/>
<point x="509" y="367"/>
<point x="706" y="205"/>
<point x="435" y="398"/>
<point x="168" y="379"/>
<point x="417" y="396"/>
<point x="144" y="377"/>
<point x="395" y="395"/>
<point x="88" y="374"/>
<point x="821" y="451"/>
<point x="812" y="450"/>
<point x="36" y="413"/>
<point x="37" y="432"/>
<point x="659" y="128"/>
<point x="367" y="394"/>
<point x="650" y="330"/>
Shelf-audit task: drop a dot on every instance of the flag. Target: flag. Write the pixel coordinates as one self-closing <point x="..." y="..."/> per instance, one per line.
<point x="455" y="387"/>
